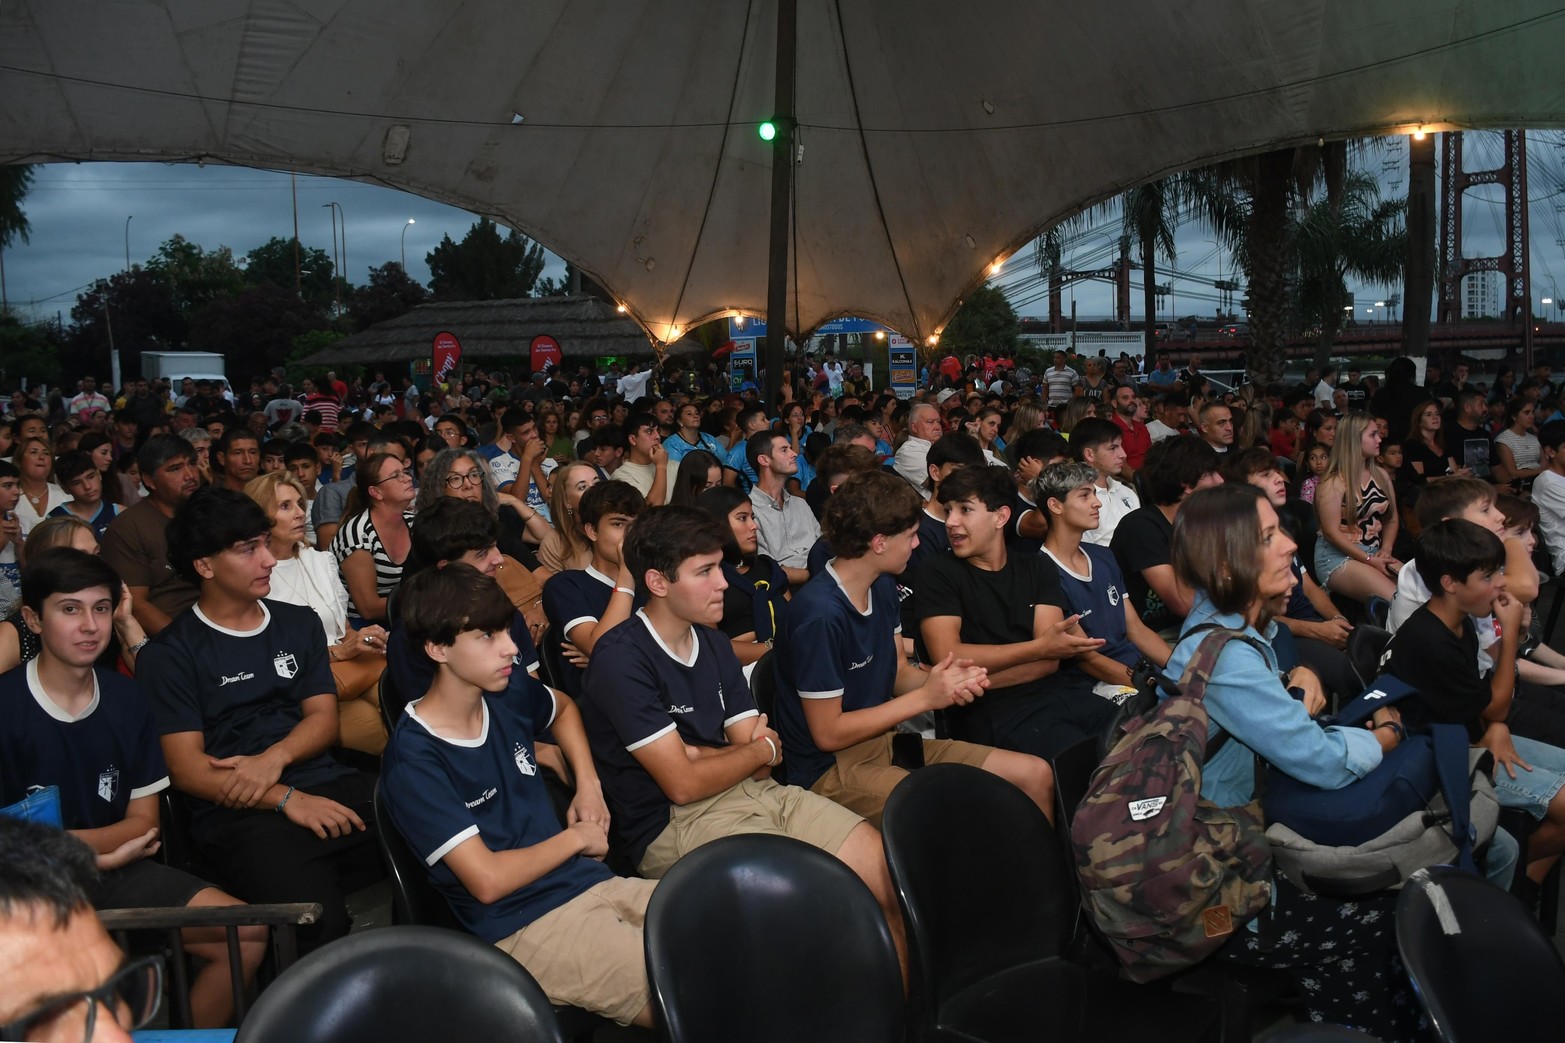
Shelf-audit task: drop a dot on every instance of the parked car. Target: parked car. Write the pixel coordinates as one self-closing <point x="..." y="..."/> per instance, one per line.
<point x="1234" y="330"/>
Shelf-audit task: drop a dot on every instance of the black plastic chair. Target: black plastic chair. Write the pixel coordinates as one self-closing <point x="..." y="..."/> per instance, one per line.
<point x="551" y="662"/>
<point x="769" y="940"/>
<point x="414" y="900"/>
<point x="1482" y="967"/>
<point x="393" y="700"/>
<point x="763" y="685"/>
<point x="1366" y="644"/>
<point x="988" y="902"/>
<point x="403" y="983"/>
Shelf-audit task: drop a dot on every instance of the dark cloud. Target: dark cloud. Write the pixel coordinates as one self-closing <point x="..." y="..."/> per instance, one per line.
<point x="78" y="213"/>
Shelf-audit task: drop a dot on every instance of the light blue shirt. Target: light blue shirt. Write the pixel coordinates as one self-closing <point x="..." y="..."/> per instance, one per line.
<point x="1247" y="699"/>
<point x="676" y="446"/>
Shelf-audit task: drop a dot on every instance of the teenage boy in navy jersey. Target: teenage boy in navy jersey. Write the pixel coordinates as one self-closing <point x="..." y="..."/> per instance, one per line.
<point x="244" y="699"/>
<point x="449" y="532"/>
<point x="90" y="733"/>
<point x="1004" y="611"/>
<point x="843" y="686"/>
<point x="684" y="755"/>
<point x="585" y="604"/>
<point x="460" y="778"/>
<point x="1093" y="585"/>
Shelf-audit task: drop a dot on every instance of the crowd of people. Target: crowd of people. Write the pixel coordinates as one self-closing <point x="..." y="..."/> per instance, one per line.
<point x="575" y="578"/>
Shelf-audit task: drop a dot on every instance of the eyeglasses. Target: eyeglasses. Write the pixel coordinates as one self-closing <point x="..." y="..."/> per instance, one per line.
<point x="456" y="481"/>
<point x="597" y="418"/>
<point x="131" y="997"/>
<point x="394" y="476"/>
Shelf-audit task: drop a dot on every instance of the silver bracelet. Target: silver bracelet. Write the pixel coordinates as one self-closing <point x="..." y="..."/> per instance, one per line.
<point x="138" y="646"/>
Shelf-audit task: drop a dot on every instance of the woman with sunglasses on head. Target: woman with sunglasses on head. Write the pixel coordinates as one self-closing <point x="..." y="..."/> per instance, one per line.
<point x="374" y="539"/>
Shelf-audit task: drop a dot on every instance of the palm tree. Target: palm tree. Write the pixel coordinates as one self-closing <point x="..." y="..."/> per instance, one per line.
<point x="1358" y="234"/>
<point x="14" y="183"/>
<point x="1150" y="213"/>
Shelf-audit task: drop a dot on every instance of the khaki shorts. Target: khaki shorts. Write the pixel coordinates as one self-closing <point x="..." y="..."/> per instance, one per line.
<point x="863" y="775"/>
<point x="749" y="807"/>
<point x="588" y="953"/>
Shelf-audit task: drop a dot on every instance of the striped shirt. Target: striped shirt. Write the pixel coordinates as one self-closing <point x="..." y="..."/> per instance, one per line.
<point x="358" y="533"/>
<point x="327" y="406"/>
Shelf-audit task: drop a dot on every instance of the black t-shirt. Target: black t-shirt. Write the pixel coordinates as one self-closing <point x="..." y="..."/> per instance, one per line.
<point x="242" y="691"/>
<point x="1415" y="451"/>
<point x="1444" y="669"/>
<point x="1141" y="541"/>
<point x="1015" y="542"/>
<point x="997" y="608"/>
<point x="1470" y="448"/>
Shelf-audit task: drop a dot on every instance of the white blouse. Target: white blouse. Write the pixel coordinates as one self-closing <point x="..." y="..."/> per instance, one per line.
<point x="310" y="578"/>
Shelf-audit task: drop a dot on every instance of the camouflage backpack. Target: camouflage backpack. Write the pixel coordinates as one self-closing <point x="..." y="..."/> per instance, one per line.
<point x="1167" y="876"/>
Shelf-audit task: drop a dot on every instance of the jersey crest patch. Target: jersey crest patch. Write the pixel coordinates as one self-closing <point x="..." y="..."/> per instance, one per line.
<point x="1113" y="594"/>
<point x="109" y="784"/>
<point x="524" y="763"/>
<point x="287" y="666"/>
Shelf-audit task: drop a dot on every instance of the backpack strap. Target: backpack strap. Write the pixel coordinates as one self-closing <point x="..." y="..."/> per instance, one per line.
<point x="1450" y="743"/>
<point x="1198" y="671"/>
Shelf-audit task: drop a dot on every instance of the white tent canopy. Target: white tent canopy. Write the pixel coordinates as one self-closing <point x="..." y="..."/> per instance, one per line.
<point x="934" y="137"/>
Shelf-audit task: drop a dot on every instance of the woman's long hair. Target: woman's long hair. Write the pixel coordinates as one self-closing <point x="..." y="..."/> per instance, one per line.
<point x="1027" y="417"/>
<point x="564" y="515"/>
<point x="1347" y="463"/>
<point x="690" y="482"/>
<point x="720" y="503"/>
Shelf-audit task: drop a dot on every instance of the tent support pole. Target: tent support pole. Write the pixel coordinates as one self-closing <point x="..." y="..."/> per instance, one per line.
<point x="782" y="192"/>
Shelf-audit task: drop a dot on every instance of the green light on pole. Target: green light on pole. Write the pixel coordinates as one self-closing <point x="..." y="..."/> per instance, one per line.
<point x="767" y="130"/>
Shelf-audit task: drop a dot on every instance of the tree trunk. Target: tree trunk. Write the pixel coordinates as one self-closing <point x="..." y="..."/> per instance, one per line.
<point x="1149" y="294"/>
<point x="1266" y="261"/>
<point x="1419" y="282"/>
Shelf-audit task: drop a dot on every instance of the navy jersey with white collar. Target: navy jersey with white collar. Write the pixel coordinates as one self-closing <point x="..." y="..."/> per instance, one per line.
<point x="443" y="791"/>
<point x="637" y="692"/>
<point x="828" y="649"/>
<point x="101" y="759"/>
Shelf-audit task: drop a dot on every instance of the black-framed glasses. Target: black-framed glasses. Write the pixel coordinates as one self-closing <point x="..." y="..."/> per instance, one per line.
<point x="393" y="476"/>
<point x="130" y="996"/>
<point x="456" y="481"/>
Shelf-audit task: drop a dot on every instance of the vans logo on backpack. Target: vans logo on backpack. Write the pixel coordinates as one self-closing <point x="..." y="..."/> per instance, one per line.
<point x="1141" y="810"/>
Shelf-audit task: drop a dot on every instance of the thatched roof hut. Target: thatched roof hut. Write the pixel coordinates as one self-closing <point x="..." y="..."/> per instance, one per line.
<point x="585" y="327"/>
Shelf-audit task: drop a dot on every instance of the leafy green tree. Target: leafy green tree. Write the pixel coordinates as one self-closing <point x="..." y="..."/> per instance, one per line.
<point x="984" y="322"/>
<point x="390" y="292"/>
<point x="15" y="180"/>
<point x="29" y="351"/>
<point x="255" y="330"/>
<point x="305" y="345"/>
<point x="136" y="308"/>
<point x="195" y="276"/>
<point x="1358" y="234"/>
<point x="483" y="266"/>
<point x="273" y="262"/>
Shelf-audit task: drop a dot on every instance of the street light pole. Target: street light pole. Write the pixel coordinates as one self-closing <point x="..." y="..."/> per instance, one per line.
<point x="405" y="246"/>
<point x="127" y="242"/>
<point x="336" y="260"/>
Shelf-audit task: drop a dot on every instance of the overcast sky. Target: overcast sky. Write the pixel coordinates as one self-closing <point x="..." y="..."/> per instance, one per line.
<point x="78" y="214"/>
